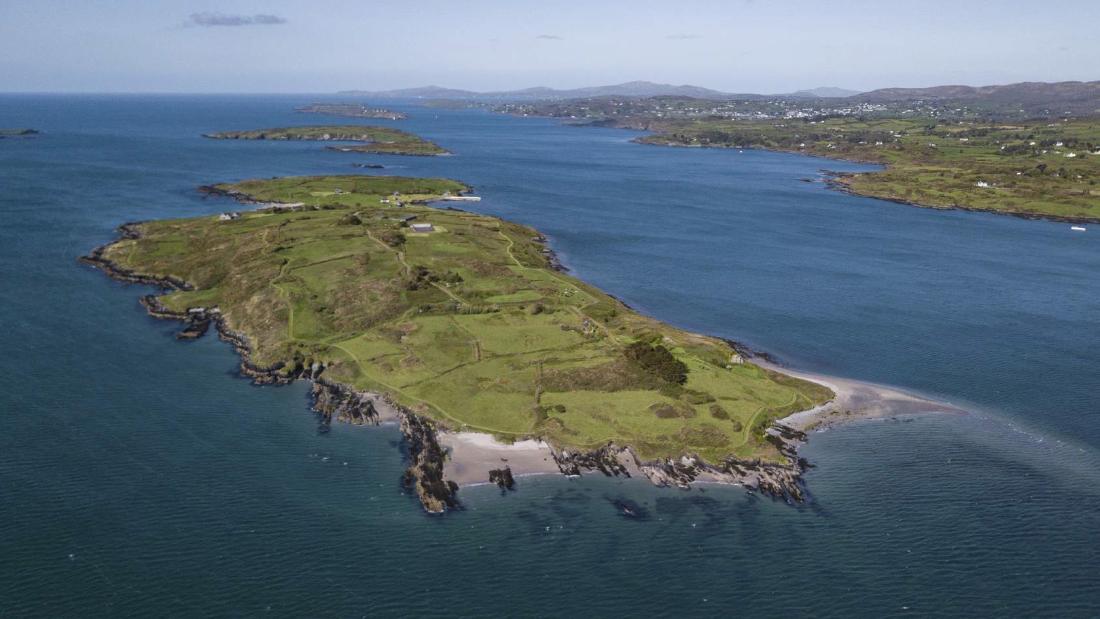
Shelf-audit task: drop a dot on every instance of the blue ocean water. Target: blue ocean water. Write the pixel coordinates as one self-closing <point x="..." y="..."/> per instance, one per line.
<point x="139" y="477"/>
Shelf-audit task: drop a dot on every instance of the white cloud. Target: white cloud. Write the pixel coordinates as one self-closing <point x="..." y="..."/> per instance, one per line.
<point x="209" y="20"/>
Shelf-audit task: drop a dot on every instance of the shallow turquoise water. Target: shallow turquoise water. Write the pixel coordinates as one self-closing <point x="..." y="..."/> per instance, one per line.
<point x="138" y="476"/>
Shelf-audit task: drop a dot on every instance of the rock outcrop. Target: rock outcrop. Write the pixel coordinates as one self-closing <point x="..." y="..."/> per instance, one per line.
<point x="425" y="472"/>
<point x="334" y="401"/>
<point x="503" y="478"/>
<point x="606" y="460"/>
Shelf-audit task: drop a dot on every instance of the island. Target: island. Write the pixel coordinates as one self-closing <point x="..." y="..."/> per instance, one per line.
<point x="377" y="140"/>
<point x="461" y="328"/>
<point x="17" y="133"/>
<point x="350" y="110"/>
<point x="976" y="156"/>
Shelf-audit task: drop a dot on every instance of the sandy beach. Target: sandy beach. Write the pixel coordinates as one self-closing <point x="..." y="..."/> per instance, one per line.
<point x="473" y="455"/>
<point x="855" y="400"/>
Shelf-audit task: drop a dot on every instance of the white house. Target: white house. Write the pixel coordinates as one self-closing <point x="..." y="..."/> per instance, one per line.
<point x="422" y="227"/>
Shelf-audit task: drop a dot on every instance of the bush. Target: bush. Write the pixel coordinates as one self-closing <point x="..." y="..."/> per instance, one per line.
<point x="393" y="238"/>
<point x="697" y="397"/>
<point x="670" y="411"/>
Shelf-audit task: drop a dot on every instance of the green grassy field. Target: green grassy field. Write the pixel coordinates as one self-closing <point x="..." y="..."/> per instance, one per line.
<point x="467" y="323"/>
<point x="378" y="140"/>
<point x="1047" y="168"/>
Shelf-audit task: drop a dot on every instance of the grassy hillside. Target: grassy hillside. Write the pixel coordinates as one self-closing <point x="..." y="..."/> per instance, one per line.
<point x="1048" y="169"/>
<point x="467" y="323"/>
<point x="379" y="140"/>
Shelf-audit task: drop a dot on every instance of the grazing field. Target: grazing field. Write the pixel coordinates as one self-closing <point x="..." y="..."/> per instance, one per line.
<point x="1032" y="169"/>
<point x="467" y="323"/>
<point x="377" y="140"/>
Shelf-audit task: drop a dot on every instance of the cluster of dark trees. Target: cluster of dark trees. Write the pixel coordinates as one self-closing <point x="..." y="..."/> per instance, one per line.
<point x="393" y="238"/>
<point x="421" y="277"/>
<point x="658" y="361"/>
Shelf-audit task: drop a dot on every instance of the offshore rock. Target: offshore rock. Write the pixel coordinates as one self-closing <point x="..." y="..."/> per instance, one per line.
<point x="503" y="478"/>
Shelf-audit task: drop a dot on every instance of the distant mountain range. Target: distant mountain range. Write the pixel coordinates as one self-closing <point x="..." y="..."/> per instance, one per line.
<point x="1075" y="97"/>
<point x="628" y="89"/>
<point x="824" y="92"/>
<point x="1039" y="98"/>
<point x="1022" y="91"/>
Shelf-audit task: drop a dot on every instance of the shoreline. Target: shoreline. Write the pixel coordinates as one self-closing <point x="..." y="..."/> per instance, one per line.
<point x="472" y="453"/>
<point x="442" y="460"/>
<point x="838" y="181"/>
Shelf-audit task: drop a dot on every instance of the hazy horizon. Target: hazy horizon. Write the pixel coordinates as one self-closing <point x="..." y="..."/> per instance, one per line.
<point x="745" y="46"/>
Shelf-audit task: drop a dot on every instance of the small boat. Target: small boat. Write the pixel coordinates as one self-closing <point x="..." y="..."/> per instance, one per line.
<point x="1078" y="228"/>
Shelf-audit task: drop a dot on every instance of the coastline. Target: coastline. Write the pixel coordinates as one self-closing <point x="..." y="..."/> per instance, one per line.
<point x="857" y="400"/>
<point x="441" y="460"/>
<point x="470" y="454"/>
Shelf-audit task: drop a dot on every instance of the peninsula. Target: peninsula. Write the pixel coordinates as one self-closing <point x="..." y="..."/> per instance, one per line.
<point x="456" y="324"/>
<point x="994" y="155"/>
<point x="350" y="110"/>
<point x="376" y="140"/>
<point x="1032" y="169"/>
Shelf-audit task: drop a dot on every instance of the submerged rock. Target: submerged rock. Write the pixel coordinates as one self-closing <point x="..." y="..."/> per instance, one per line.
<point x="630" y="509"/>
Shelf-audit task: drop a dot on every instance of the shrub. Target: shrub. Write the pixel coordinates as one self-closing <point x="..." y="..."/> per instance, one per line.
<point x="670" y="411"/>
<point x="393" y="238"/>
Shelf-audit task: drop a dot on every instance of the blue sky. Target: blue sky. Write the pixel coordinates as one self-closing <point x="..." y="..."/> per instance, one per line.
<point x="737" y="45"/>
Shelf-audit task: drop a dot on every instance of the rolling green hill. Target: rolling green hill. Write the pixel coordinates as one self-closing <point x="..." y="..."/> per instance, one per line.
<point x="466" y="322"/>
